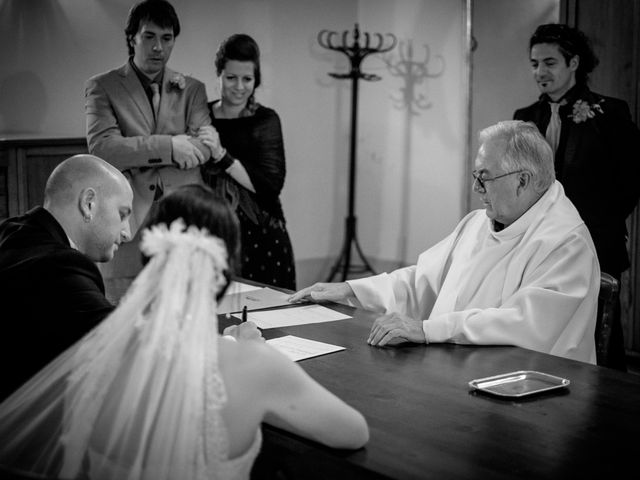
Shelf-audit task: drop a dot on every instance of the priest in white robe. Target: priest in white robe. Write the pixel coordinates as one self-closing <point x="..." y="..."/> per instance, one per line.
<point x="523" y="271"/>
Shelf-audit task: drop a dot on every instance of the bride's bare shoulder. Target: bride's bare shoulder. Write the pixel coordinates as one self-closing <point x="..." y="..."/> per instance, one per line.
<point x="248" y="353"/>
<point x="253" y="360"/>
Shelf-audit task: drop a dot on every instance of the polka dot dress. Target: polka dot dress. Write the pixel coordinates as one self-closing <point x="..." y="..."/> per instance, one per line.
<point x="256" y="142"/>
<point x="267" y="256"/>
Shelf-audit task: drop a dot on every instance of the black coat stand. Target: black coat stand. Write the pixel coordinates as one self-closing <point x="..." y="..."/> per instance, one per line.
<point x="356" y="54"/>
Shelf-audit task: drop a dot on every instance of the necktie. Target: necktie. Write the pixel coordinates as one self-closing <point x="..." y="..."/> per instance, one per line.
<point x="155" y="100"/>
<point x="553" y="129"/>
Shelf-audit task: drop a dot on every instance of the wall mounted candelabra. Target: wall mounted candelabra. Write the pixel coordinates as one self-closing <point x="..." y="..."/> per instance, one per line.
<point x="356" y="53"/>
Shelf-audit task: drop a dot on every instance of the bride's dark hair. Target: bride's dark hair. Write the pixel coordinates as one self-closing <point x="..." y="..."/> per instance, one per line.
<point x="199" y="206"/>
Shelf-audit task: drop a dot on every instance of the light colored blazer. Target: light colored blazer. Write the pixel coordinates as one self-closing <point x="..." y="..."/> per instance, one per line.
<point x="121" y="130"/>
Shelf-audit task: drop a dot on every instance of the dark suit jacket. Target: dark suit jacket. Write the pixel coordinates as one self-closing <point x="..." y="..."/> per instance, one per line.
<point x="598" y="163"/>
<point x="52" y="295"/>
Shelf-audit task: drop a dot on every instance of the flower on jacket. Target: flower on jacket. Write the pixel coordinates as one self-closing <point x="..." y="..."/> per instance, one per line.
<point x="583" y="111"/>
<point x="178" y="81"/>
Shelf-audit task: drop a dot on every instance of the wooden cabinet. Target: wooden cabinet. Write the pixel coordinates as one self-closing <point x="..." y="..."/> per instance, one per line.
<point x="25" y="164"/>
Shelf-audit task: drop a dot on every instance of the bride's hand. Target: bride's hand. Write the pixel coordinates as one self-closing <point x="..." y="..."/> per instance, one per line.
<point x="244" y="331"/>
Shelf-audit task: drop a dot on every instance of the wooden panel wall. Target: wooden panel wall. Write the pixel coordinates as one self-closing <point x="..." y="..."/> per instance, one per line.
<point x="25" y="165"/>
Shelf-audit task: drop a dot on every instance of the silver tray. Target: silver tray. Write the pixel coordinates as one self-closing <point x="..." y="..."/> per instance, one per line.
<point x="518" y="384"/>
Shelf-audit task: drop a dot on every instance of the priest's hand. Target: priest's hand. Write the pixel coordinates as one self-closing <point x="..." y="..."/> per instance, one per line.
<point x="395" y="328"/>
<point x="323" y="292"/>
<point x="244" y="331"/>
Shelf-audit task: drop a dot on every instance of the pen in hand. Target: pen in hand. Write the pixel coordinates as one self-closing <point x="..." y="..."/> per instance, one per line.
<point x="244" y="314"/>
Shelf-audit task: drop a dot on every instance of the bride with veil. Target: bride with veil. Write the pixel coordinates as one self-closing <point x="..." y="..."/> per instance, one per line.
<point x="154" y="392"/>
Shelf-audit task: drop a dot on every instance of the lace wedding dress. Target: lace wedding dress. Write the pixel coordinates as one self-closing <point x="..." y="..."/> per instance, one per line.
<point x="140" y="396"/>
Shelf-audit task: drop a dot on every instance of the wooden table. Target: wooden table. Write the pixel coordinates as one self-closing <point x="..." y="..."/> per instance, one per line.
<point x="426" y="422"/>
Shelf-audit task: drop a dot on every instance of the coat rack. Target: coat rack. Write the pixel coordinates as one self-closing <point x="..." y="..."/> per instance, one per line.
<point x="356" y="54"/>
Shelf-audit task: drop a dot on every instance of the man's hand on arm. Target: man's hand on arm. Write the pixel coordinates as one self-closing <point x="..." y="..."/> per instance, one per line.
<point x="395" y="328"/>
<point x="323" y="292"/>
<point x="244" y="331"/>
<point x="204" y="150"/>
<point x="185" y="153"/>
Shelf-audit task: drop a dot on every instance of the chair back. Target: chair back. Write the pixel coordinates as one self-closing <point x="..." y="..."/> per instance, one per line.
<point x="607" y="301"/>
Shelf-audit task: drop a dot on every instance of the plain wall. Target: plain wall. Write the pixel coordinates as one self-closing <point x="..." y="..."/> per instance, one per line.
<point x="411" y="124"/>
<point x="502" y="78"/>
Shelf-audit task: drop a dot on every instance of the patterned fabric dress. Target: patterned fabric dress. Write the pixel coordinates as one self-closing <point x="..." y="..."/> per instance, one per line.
<point x="256" y="141"/>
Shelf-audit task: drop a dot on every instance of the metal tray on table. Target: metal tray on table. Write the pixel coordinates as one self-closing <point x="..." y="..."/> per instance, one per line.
<point x="518" y="384"/>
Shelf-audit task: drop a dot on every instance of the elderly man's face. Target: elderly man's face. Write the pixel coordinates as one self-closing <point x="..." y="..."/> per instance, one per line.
<point x="111" y="222"/>
<point x="499" y="195"/>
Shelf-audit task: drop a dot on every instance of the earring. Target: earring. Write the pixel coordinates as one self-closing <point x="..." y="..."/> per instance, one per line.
<point x="87" y="218"/>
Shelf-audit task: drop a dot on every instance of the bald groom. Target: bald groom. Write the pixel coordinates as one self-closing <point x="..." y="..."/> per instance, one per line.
<point x="48" y="274"/>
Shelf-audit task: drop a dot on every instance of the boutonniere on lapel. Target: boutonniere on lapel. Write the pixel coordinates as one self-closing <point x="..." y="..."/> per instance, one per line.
<point x="178" y="81"/>
<point x="583" y="111"/>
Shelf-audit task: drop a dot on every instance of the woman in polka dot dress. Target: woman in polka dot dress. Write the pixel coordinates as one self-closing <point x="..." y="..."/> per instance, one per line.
<point x="248" y="164"/>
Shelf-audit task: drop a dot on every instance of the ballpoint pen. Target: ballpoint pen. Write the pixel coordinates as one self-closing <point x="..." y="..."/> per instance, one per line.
<point x="244" y="314"/>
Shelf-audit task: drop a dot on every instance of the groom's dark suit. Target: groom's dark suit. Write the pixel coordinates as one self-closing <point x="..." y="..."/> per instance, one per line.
<point x="52" y="295"/>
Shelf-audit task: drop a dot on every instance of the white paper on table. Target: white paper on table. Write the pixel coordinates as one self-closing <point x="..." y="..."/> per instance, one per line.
<point x="287" y="317"/>
<point x="262" y="297"/>
<point x="297" y="348"/>
<point x="239" y="287"/>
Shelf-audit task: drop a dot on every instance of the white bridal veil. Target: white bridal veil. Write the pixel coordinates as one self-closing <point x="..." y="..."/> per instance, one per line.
<point x="139" y="396"/>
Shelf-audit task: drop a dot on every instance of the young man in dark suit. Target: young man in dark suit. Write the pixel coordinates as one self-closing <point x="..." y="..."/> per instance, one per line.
<point x="48" y="275"/>
<point x="596" y="145"/>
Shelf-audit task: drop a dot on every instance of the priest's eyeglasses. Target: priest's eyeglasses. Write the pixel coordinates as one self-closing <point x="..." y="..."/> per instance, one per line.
<point x="477" y="177"/>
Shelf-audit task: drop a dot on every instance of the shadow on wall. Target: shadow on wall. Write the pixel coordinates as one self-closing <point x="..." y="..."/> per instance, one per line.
<point x="32" y="34"/>
<point x="23" y="103"/>
<point x="415" y="71"/>
<point x="312" y="270"/>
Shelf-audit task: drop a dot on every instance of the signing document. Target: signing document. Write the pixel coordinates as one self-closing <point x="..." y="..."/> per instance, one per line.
<point x="253" y="299"/>
<point x="240" y="287"/>
<point x="287" y="317"/>
<point x="297" y="348"/>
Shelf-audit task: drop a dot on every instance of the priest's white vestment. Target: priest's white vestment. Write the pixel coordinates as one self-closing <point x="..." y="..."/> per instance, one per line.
<point x="533" y="284"/>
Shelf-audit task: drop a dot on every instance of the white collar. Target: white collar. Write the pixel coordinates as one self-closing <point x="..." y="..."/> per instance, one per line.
<point x="72" y="243"/>
<point x="523" y="222"/>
